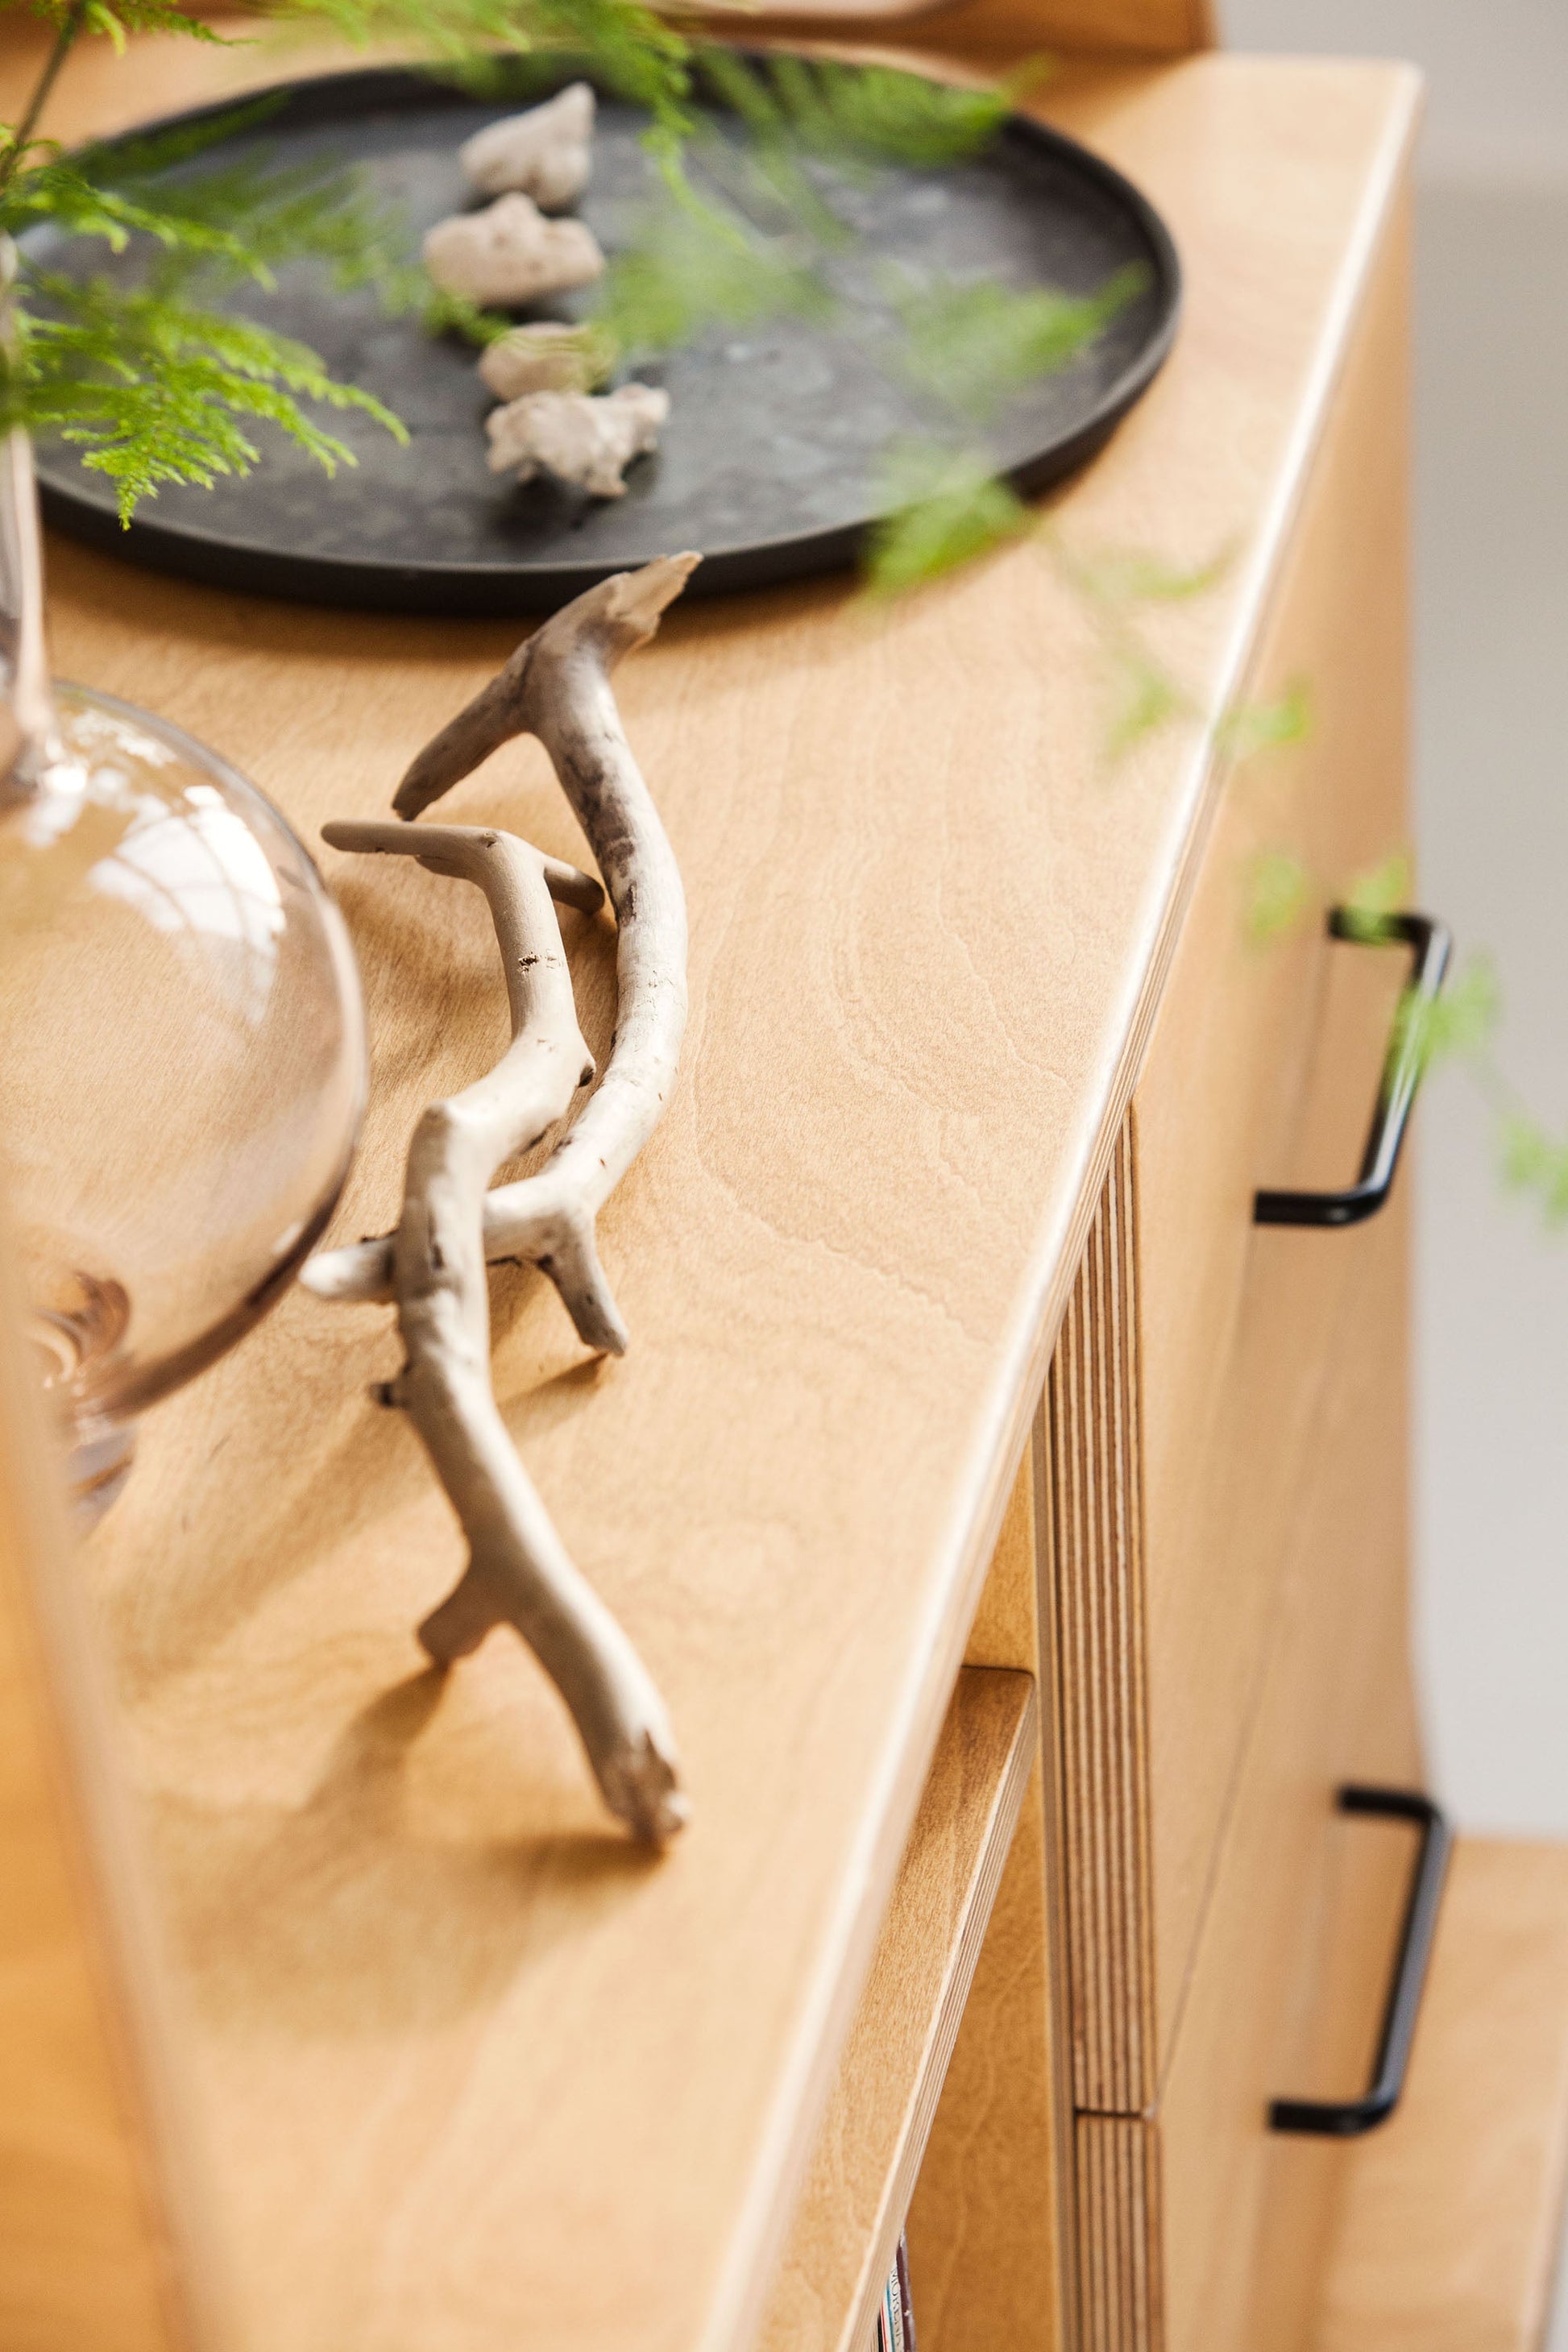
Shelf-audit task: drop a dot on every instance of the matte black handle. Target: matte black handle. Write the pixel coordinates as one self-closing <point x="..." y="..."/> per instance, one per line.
<point x="1430" y="942"/>
<point x="1344" y="2118"/>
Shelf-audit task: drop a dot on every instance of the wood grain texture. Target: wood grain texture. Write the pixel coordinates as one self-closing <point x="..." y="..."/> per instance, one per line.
<point x="100" y="2241"/>
<point x="989" y="2223"/>
<point x="1194" y="1358"/>
<point x="1199" y="2230"/>
<point x="1103" y="27"/>
<point x="989" y="2260"/>
<point x="1293" y="1963"/>
<point x="1264" y="1070"/>
<point x="930" y="933"/>
<point x="1119" y="2234"/>
<point x="1449" y="2233"/>
<point x="1007" y="1628"/>
<point x="869" y="2150"/>
<point x="1228" y="1411"/>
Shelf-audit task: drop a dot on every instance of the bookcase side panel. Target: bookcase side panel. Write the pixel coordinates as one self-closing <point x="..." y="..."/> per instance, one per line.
<point x="93" y="2256"/>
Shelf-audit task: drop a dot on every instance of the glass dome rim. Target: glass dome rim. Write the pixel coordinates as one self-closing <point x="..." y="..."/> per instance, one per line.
<point x="146" y="1383"/>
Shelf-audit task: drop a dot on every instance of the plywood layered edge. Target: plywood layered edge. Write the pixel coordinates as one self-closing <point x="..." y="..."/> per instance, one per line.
<point x="1118" y="2234"/>
<point x="879" y="2114"/>
<point x="1095" y="1554"/>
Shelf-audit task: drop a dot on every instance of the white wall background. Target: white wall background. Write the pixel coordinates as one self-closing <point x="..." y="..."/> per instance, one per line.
<point x="1491" y="571"/>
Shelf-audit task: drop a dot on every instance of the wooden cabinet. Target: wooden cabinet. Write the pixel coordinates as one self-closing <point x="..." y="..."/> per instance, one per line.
<point x="1015" y="1528"/>
<point x="1227" y="1453"/>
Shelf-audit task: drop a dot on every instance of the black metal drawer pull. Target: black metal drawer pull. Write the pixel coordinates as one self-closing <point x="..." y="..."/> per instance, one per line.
<point x="1344" y="2118"/>
<point x="1430" y="942"/>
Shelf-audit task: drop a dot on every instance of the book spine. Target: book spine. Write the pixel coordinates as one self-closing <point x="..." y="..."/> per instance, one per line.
<point x="895" y="2320"/>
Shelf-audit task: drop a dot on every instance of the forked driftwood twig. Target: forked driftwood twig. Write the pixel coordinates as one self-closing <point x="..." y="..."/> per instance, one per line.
<point x="557" y="686"/>
<point x="519" y="1572"/>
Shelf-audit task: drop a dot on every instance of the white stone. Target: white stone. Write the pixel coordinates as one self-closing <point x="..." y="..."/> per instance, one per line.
<point x="585" y="441"/>
<point x="543" y="357"/>
<point x="509" y="254"/>
<point x="544" y="152"/>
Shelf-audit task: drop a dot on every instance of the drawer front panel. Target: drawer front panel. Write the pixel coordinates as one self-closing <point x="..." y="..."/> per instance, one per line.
<point x="1209" y="2236"/>
<point x="1299" y="1941"/>
<point x="1199" y="1346"/>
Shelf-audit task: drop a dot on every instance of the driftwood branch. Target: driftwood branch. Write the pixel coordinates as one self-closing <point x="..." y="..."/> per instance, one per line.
<point x="557" y="686"/>
<point x="519" y="1572"/>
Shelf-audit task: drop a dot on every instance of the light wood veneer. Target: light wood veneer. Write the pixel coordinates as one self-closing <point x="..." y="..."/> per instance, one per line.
<point x="102" y="2240"/>
<point x="464" y="2064"/>
<point x="869" y="2147"/>
<point x="1449" y="2225"/>
<point x="1197" y="1350"/>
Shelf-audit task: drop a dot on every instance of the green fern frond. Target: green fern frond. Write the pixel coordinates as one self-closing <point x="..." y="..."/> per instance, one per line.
<point x="629" y="48"/>
<point x="133" y="157"/>
<point x="697" y="264"/>
<point x="1372" y="895"/>
<point x="976" y="344"/>
<point x="1145" y="696"/>
<point x="1137" y="576"/>
<point x="1273" y="724"/>
<point x="1532" y="1160"/>
<point x="942" y="506"/>
<point x="885" y="115"/>
<point x="156" y="390"/>
<point x="58" y="194"/>
<point x="235" y="220"/>
<point x="1457" y="1025"/>
<point x="116" y="19"/>
<point x="1280" y="891"/>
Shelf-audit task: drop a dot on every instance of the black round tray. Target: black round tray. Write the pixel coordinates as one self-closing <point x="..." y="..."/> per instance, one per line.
<point x="768" y="464"/>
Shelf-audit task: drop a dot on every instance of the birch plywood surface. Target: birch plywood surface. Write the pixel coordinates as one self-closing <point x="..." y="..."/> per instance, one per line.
<point x="1191" y="1363"/>
<point x="1161" y="27"/>
<point x="1450" y="2224"/>
<point x="1200" y="2230"/>
<point x="1245" y="1327"/>
<point x="472" y="2068"/>
<point x="99" y="2241"/>
<point x="989" y="2262"/>
<point x="852" y="2208"/>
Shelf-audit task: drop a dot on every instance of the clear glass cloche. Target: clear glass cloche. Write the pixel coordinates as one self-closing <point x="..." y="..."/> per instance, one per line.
<point x="181" y="1041"/>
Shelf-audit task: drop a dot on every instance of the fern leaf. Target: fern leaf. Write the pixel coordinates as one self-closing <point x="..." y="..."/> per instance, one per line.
<point x="155" y="391"/>
<point x="974" y="345"/>
<point x="696" y="265"/>
<point x="945" y="507"/>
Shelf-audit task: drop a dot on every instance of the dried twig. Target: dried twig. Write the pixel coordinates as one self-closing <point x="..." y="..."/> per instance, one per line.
<point x="556" y="686"/>
<point x="517" y="1569"/>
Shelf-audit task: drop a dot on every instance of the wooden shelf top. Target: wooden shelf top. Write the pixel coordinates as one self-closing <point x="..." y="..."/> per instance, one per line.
<point x="471" y="2070"/>
<point x="871" y="2139"/>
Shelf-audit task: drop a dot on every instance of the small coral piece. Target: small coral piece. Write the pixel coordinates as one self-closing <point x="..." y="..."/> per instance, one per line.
<point x="585" y="441"/>
<point x="544" y="152"/>
<point x="510" y="254"/>
<point x="544" y="357"/>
